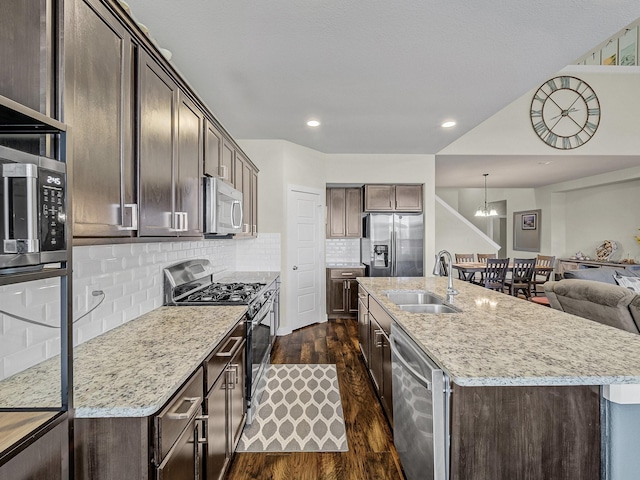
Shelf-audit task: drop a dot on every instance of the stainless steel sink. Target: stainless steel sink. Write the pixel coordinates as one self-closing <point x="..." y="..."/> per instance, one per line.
<point x="429" y="308"/>
<point x="414" y="298"/>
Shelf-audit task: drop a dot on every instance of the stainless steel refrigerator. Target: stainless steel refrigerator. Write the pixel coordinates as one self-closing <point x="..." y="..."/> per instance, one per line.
<point x="393" y="244"/>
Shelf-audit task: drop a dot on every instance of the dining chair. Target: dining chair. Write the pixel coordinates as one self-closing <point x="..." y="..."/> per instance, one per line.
<point x="495" y="273"/>
<point x="482" y="258"/>
<point x="540" y="277"/>
<point x="521" y="276"/>
<point x="465" y="258"/>
<point x="443" y="266"/>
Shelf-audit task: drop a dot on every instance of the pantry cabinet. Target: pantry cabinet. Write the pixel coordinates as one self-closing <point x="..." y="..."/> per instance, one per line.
<point x="344" y="212"/>
<point x="393" y="198"/>
<point x="27" y="56"/>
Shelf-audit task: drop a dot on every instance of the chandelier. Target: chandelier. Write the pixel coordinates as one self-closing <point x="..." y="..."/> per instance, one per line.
<point x="483" y="210"/>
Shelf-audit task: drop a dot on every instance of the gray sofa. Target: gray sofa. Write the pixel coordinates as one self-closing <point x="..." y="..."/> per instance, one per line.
<point x="594" y="294"/>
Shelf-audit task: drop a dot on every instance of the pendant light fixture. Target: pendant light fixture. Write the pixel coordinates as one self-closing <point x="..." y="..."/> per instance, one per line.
<point x="483" y="211"/>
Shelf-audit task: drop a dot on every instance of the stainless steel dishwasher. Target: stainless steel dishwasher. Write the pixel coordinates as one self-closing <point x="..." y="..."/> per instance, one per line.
<point x="420" y="410"/>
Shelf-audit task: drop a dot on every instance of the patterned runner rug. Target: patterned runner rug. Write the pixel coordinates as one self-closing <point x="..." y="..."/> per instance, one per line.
<point x="300" y="411"/>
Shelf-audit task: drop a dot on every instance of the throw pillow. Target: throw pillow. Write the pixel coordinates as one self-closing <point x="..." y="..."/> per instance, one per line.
<point x="632" y="283"/>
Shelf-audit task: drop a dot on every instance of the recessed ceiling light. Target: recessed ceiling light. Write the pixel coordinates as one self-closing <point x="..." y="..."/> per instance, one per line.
<point x="448" y="124"/>
<point x="313" y="123"/>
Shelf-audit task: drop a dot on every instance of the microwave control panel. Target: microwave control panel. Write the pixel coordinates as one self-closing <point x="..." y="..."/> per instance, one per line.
<point x="53" y="215"/>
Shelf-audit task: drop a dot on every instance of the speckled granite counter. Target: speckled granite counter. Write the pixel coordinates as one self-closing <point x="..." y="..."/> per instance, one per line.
<point x="502" y="340"/>
<point x="132" y="370"/>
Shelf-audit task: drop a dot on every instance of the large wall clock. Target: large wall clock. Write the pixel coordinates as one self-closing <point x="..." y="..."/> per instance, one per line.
<point x="565" y="112"/>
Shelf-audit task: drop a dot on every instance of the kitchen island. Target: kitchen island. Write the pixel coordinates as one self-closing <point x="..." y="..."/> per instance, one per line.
<point x="524" y="379"/>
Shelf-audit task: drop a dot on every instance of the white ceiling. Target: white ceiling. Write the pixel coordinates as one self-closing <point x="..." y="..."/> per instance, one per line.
<point x="380" y="75"/>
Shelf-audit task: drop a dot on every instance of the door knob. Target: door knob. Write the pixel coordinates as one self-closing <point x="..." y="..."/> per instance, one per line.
<point x="295" y="267"/>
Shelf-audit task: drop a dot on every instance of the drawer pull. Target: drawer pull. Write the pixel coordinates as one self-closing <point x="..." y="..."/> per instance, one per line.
<point x="344" y="274"/>
<point x="362" y="295"/>
<point x="178" y="415"/>
<point x="224" y="352"/>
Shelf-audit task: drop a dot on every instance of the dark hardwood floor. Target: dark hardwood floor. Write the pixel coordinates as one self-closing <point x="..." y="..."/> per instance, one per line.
<point x="371" y="454"/>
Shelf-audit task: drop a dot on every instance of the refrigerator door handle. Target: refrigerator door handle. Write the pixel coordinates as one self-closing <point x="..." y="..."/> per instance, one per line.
<point x="394" y="256"/>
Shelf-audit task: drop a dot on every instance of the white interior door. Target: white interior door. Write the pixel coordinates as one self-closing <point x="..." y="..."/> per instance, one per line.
<point x="305" y="292"/>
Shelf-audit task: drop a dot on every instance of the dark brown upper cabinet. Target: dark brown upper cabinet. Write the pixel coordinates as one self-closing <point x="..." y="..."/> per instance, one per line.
<point x="393" y="198"/>
<point x="98" y="106"/>
<point x="344" y="212"/>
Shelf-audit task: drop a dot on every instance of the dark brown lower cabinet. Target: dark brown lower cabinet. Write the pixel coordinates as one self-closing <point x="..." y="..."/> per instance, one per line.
<point x="46" y="458"/>
<point x="542" y="432"/>
<point x="374" y="328"/>
<point x="342" y="292"/>
<point x="178" y="442"/>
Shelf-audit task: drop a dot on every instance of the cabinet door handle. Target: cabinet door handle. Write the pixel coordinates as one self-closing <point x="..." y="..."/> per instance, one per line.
<point x="195" y="404"/>
<point x="362" y="295"/>
<point x="377" y="334"/>
<point x="186" y="221"/>
<point x="222" y="169"/>
<point x="254" y="229"/>
<point x="130" y="217"/>
<point x="224" y="352"/>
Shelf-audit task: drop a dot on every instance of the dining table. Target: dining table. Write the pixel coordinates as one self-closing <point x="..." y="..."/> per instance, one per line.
<point x="474" y="267"/>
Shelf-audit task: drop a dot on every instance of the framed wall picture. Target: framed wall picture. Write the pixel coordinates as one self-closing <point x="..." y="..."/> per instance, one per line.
<point x="529" y="221"/>
<point x="628" y="46"/>
<point x="526" y="230"/>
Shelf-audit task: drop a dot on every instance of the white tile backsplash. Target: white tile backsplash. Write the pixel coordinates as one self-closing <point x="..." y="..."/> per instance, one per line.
<point x="131" y="277"/>
<point x="259" y="254"/>
<point x="342" y="250"/>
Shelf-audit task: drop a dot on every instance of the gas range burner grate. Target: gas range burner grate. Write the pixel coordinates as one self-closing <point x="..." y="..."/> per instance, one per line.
<point x="226" y="293"/>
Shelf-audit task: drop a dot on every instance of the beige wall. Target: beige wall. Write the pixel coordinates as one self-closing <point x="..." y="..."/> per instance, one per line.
<point x="509" y="131"/>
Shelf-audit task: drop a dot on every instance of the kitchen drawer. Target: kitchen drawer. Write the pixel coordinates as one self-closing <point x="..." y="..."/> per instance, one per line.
<point x="173" y="419"/>
<point x="381" y="316"/>
<point x="220" y="357"/>
<point x="346" y="272"/>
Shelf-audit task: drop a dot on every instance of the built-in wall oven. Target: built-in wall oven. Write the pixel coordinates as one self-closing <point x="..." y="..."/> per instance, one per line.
<point x="32" y="217"/>
<point x="191" y="283"/>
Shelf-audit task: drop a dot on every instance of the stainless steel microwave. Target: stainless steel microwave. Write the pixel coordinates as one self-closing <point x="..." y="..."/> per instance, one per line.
<point x="222" y="208"/>
<point x="33" y="213"/>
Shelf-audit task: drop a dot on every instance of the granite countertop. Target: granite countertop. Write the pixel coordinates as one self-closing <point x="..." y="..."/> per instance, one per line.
<point x="132" y="370"/>
<point x="498" y="339"/>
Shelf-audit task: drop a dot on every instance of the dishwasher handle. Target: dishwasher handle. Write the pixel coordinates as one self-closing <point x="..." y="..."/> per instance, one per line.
<point x="396" y="352"/>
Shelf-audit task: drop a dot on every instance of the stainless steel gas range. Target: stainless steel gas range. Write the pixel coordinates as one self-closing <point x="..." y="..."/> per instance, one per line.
<point x="190" y="283"/>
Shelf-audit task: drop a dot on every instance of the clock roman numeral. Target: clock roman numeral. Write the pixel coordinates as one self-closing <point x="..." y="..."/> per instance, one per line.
<point x="540" y="98"/>
<point x="594" y="111"/>
<point x="566" y="143"/>
<point x="552" y="85"/>
<point x="540" y="128"/>
<point x="590" y="128"/>
<point x="536" y="113"/>
<point x="551" y="139"/>
<point x="564" y="82"/>
<point x="590" y="97"/>
<point x="578" y="140"/>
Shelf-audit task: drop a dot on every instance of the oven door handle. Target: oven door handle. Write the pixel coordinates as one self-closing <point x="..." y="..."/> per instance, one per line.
<point x="263" y="312"/>
<point x="228" y="353"/>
